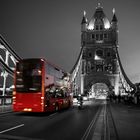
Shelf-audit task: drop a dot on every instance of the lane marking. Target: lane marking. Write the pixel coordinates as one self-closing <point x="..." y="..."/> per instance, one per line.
<point x="52" y="114"/>
<point x="92" y="123"/>
<point x="11" y="128"/>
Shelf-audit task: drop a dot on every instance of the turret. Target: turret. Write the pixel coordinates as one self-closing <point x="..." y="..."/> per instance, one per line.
<point x="84" y="23"/>
<point x="114" y="21"/>
<point x="114" y="25"/>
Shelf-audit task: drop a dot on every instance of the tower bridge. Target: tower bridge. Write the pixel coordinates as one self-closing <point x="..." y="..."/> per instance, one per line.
<point x="98" y="60"/>
<point x="98" y="71"/>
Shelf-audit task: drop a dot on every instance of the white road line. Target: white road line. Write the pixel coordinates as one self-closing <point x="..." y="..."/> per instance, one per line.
<point x="92" y="123"/>
<point x="11" y="128"/>
<point x="52" y="114"/>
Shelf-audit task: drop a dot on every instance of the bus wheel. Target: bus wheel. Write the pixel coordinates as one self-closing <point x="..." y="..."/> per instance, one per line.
<point x="56" y="108"/>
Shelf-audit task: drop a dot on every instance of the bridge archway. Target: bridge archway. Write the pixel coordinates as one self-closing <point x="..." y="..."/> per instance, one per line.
<point x="99" y="91"/>
<point x="102" y="85"/>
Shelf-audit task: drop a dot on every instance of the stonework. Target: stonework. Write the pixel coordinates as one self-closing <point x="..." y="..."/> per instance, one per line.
<point x="99" y="39"/>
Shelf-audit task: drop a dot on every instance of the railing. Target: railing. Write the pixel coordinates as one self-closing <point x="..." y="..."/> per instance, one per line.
<point x="10" y="71"/>
<point x="7" y="46"/>
<point x="124" y="74"/>
<point x="5" y="100"/>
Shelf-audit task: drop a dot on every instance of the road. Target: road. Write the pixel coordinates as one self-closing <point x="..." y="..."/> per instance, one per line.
<point x="71" y="124"/>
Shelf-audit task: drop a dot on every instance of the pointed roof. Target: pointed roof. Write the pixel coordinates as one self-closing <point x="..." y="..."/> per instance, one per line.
<point x="114" y="19"/>
<point x="99" y="14"/>
<point x="84" y="20"/>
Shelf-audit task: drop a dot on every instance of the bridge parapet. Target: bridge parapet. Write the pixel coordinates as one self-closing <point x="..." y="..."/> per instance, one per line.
<point x="5" y="100"/>
<point x="8" y="59"/>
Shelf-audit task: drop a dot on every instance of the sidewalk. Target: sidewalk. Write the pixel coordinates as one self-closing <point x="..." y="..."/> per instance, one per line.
<point x="127" y="120"/>
<point x="5" y="108"/>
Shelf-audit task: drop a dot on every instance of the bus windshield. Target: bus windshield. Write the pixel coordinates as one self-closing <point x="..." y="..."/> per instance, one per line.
<point x="28" y="76"/>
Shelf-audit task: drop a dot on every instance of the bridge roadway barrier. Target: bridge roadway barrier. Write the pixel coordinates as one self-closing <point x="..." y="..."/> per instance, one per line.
<point x="5" y="104"/>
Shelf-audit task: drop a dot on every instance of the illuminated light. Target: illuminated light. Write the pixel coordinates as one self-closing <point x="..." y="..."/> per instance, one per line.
<point x="91" y="24"/>
<point x="42" y="98"/>
<point x="113" y="10"/>
<point x="30" y="109"/>
<point x="19" y="79"/>
<point x="14" y="93"/>
<point x="71" y="94"/>
<point x="32" y="88"/>
<point x="97" y="57"/>
<point x="99" y="4"/>
<point x="84" y="13"/>
<point x="99" y="41"/>
<point x="25" y="109"/>
<point x="42" y="60"/>
<point x="18" y="72"/>
<point x="42" y="103"/>
<point x="106" y="23"/>
<point x="19" y="86"/>
<point x="39" y="72"/>
<point x="14" y="102"/>
<point x="14" y="97"/>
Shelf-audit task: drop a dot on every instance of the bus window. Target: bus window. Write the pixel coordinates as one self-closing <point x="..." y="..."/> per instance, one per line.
<point x="60" y="93"/>
<point x="28" y="77"/>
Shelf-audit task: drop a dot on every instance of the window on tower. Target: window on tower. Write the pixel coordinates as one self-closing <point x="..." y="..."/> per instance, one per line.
<point x="90" y="54"/>
<point x="108" y="54"/>
<point x="105" y="36"/>
<point x="101" y="27"/>
<point x="99" y="53"/>
<point x="93" y="36"/>
<point x="101" y="36"/>
<point x="97" y="36"/>
<point x="92" y="66"/>
<point x="97" y="27"/>
<point x="99" y="68"/>
<point x="108" y="68"/>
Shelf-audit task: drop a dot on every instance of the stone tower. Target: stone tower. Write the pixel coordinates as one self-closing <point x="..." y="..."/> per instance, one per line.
<point x="99" y="40"/>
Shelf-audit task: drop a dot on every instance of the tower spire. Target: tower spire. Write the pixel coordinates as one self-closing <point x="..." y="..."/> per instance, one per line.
<point x="113" y="11"/>
<point x="84" y="13"/>
<point x="84" y="20"/>
<point x="99" y="6"/>
<point x="114" y="19"/>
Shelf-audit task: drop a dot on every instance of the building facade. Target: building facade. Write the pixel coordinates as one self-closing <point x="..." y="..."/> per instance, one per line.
<point x="99" y="40"/>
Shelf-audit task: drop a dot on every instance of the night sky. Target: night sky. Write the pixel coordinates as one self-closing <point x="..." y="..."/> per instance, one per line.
<point x="51" y="29"/>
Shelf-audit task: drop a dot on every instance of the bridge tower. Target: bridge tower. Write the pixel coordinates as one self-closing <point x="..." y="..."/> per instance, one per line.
<point x="99" y="40"/>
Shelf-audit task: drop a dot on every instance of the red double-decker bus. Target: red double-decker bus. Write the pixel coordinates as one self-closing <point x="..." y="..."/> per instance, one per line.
<point x="40" y="86"/>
